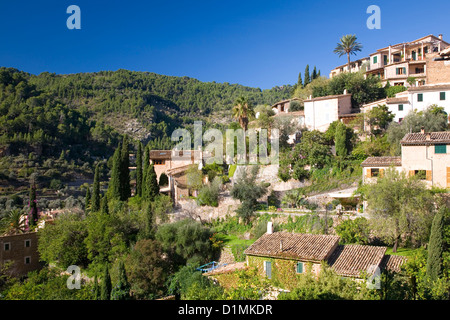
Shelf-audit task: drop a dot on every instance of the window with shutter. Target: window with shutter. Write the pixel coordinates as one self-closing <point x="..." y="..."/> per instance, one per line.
<point x="442" y="96"/>
<point x="300" y="267"/>
<point x="400" y="107"/>
<point x="448" y="177"/>
<point x="268" y="267"/>
<point x="440" y="148"/>
<point x="420" y="97"/>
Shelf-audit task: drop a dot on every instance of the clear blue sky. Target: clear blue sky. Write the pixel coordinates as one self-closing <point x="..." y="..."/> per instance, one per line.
<point x="254" y="43"/>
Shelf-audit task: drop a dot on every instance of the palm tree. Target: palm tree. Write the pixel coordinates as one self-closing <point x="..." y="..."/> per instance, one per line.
<point x="348" y="45"/>
<point x="13" y="223"/>
<point x="242" y="110"/>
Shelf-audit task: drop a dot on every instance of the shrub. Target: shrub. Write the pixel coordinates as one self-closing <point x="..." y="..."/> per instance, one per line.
<point x="209" y="194"/>
<point x="354" y="231"/>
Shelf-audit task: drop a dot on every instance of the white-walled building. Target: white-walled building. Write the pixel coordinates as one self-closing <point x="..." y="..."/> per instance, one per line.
<point x="415" y="98"/>
<point x="424" y="154"/>
<point x="322" y="111"/>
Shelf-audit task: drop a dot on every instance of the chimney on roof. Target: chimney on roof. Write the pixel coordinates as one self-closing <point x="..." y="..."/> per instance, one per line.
<point x="281" y="245"/>
<point x="422" y="130"/>
<point x="440" y="36"/>
<point x="428" y="136"/>
<point x="345" y="91"/>
<point x="269" y="227"/>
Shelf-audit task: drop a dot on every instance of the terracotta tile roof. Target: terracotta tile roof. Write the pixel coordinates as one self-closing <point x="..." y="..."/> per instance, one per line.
<point x="382" y="162"/>
<point x="160" y="154"/>
<point x="290" y="114"/>
<point x="228" y="268"/>
<point x="350" y="260"/>
<point x="429" y="138"/>
<point x="337" y="96"/>
<point x="308" y="247"/>
<point x="392" y="263"/>
<point x="397" y="100"/>
<point x="436" y="87"/>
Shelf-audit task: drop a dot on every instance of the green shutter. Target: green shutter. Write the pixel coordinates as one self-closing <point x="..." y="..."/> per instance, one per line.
<point x="268" y="269"/>
<point x="440" y="148"/>
<point x="420" y="97"/>
<point x="300" y="267"/>
<point x="400" y="107"/>
<point x="375" y="59"/>
<point x="442" y="95"/>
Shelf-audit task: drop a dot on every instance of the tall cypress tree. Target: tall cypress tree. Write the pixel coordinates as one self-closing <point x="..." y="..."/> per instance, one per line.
<point x="300" y="81"/>
<point x="314" y="73"/>
<point x="95" y="202"/>
<point x="121" y="290"/>
<point x="139" y="170"/>
<point x="151" y="184"/>
<point x="96" y="289"/>
<point x="145" y="169"/>
<point x="340" y="140"/>
<point x="114" y="182"/>
<point x="104" y="205"/>
<point x="436" y="246"/>
<point x="125" y="191"/>
<point x="105" y="290"/>
<point x="307" y="76"/>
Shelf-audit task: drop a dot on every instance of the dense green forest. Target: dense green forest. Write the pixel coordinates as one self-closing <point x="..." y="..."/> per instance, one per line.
<point x="75" y="120"/>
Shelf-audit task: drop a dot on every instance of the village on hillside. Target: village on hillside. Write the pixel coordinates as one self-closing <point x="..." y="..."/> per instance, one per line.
<point x="356" y="205"/>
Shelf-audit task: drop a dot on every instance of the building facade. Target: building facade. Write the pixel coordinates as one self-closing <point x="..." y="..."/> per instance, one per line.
<point x="19" y="252"/>
<point x="425" y="155"/>
<point x="322" y="111"/>
<point x="405" y="61"/>
<point x="355" y="66"/>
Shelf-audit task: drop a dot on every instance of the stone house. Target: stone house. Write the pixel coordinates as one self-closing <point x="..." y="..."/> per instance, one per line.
<point x="396" y="63"/>
<point x="175" y="163"/>
<point x="21" y="251"/>
<point x="355" y="66"/>
<point x="320" y="112"/>
<point x="283" y="257"/>
<point x="283" y="106"/>
<point x="424" y="154"/>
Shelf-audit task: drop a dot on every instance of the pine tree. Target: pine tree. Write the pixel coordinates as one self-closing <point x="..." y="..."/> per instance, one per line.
<point x="121" y="290"/>
<point x="33" y="206"/>
<point x="436" y="246"/>
<point x="139" y="170"/>
<point x="300" y="81"/>
<point x="95" y="201"/>
<point x="105" y="290"/>
<point x="307" y="76"/>
<point x="314" y="74"/>
<point x="151" y="184"/>
<point x="87" y="200"/>
<point x="125" y="191"/>
<point x="114" y="183"/>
